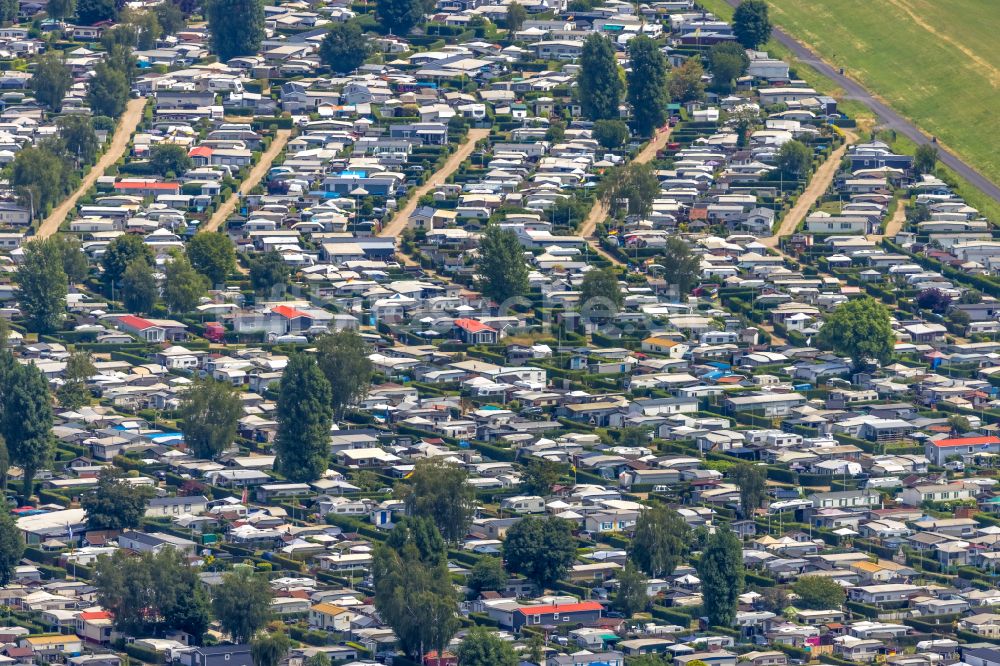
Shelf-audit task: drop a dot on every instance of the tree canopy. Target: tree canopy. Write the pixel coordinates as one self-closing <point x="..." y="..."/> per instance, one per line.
<point x="212" y="255"/>
<point x="242" y="603"/>
<point x="752" y="24"/>
<point x="629" y="189"/>
<point x="139" y="289"/>
<point x="685" y="81"/>
<point x="73" y="393"/>
<point x="51" y="79"/>
<point x="818" y="593"/>
<point x="108" y="90"/>
<point x="115" y="504"/>
<point x="26" y="417"/>
<point x="610" y="134"/>
<point x="345" y="47"/>
<point x="599" y="83"/>
<point x="209" y="413"/>
<point x="925" y="158"/>
<point x="503" y="273"/>
<point x="183" y="286"/>
<point x="752" y="482"/>
<point x="236" y="27"/>
<point x="861" y="329"/>
<point x="268" y="270"/>
<point x="681" y="267"/>
<point x="794" y="158"/>
<point x="647" y="84"/>
<point x="487" y="574"/>
<point x="304" y="415"/>
<point x="399" y="16"/>
<point x="483" y="647"/>
<point x="343" y="358"/>
<point x="120" y="253"/>
<point x="440" y="490"/>
<point x="660" y="541"/>
<point x="727" y="61"/>
<point x="166" y="158"/>
<point x="11" y="544"/>
<point x="631" y="597"/>
<point x="600" y="292"/>
<point x="721" y="571"/>
<point x="42" y="285"/>
<point x="542" y="549"/>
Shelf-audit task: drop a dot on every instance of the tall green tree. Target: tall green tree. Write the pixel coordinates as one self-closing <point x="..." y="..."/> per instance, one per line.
<point x="59" y="9"/>
<point x="925" y="158"/>
<point x="74" y="259"/>
<point x="343" y="358"/>
<point x="73" y="393"/>
<point x="861" y="329"/>
<point x="487" y="575"/>
<point x="172" y="158"/>
<point x="600" y="87"/>
<point x="270" y="648"/>
<point x="37" y="176"/>
<point x="304" y="416"/>
<point x="440" y="490"/>
<point x="629" y="189"/>
<point x="413" y="591"/>
<point x="483" y="647"/>
<point x="721" y="571"/>
<point x="209" y="413"/>
<point x="41" y="286"/>
<point x="345" y="47"/>
<point x="399" y="16"/>
<point x="212" y="255"/>
<point x="752" y="482"/>
<point x="25" y="417"/>
<point x="681" y="266"/>
<point x="631" y="597"/>
<point x="81" y="140"/>
<point x="610" y="134"/>
<point x="503" y="273"/>
<point x="516" y="16"/>
<point x="685" y="84"/>
<point x="170" y="17"/>
<point x="236" y="27"/>
<point x="242" y="603"/>
<point x="727" y="61"/>
<point x="647" y="84"/>
<point x="108" y="90"/>
<point x="600" y="291"/>
<point x="794" y="158"/>
<point x="139" y="290"/>
<point x="818" y="593"/>
<point x="11" y="544"/>
<point x="542" y="549"/>
<point x="540" y="475"/>
<point x="116" y="504"/>
<point x="183" y="286"/>
<point x="660" y="542"/>
<point x="268" y="270"/>
<point x="51" y="80"/>
<point x="752" y="23"/>
<point x="89" y="12"/>
<point x="121" y="252"/>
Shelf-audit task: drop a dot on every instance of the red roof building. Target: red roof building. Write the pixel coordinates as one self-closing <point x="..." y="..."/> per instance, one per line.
<point x="475" y="332"/>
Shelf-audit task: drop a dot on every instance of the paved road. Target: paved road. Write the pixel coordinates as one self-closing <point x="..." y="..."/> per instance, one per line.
<point x="890" y="118"/>
<point x="257" y="173"/>
<point x="819" y="183"/>
<point x="119" y="142"/>
<point x="402" y="216"/>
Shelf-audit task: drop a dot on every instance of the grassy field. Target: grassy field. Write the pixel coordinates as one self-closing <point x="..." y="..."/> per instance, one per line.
<point x="938" y="63"/>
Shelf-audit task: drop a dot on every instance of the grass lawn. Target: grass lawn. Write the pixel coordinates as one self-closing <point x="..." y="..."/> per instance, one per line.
<point x="938" y="63"/>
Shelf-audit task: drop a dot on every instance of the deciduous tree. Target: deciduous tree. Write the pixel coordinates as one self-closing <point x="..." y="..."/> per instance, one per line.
<point x="681" y="267"/>
<point x="212" y="255"/>
<point x="752" y="482"/>
<point x="685" y="81"/>
<point x="399" y="16"/>
<point x="860" y="328"/>
<point x="139" y="290"/>
<point x="343" y="358"/>
<point x="51" y="80"/>
<point x="660" y="541"/>
<point x="440" y="490"/>
<point x="107" y="91"/>
<point x="236" y="27"/>
<point x="121" y="252"/>
<point x="727" y="61"/>
<point x="115" y="504"/>
<point x="631" y="597"/>
<point x="11" y="544"/>
<point x="516" y="16"/>
<point x="242" y="603"/>
<point x="540" y="475"/>
<point x="268" y="270"/>
<point x="25" y="417"/>
<point x="752" y="24"/>
<point x="629" y="189"/>
<point x="89" y="12"/>
<point x="503" y="273"/>
<point x="165" y="158"/>
<point x="41" y="286"/>
<point x="73" y="393"/>
<point x="483" y="647"/>
<point x="487" y="575"/>
<point x="210" y="412"/>
<point x="81" y="140"/>
<point x="794" y="158"/>
<point x="40" y="172"/>
<point x="304" y="414"/>
<point x="611" y="134"/>
<point x="183" y="286"/>
<point x="270" y="648"/>
<point x="925" y="158"/>
<point x="542" y="549"/>
<point x="818" y="593"/>
<point x="600" y="291"/>
<point x="345" y="47"/>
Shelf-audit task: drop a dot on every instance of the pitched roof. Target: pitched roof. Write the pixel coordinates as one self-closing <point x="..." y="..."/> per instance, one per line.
<point x="966" y="441"/>
<point x="137" y="323"/>
<point x="561" y="608"/>
<point x="287" y="312"/>
<point x="473" y="326"/>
